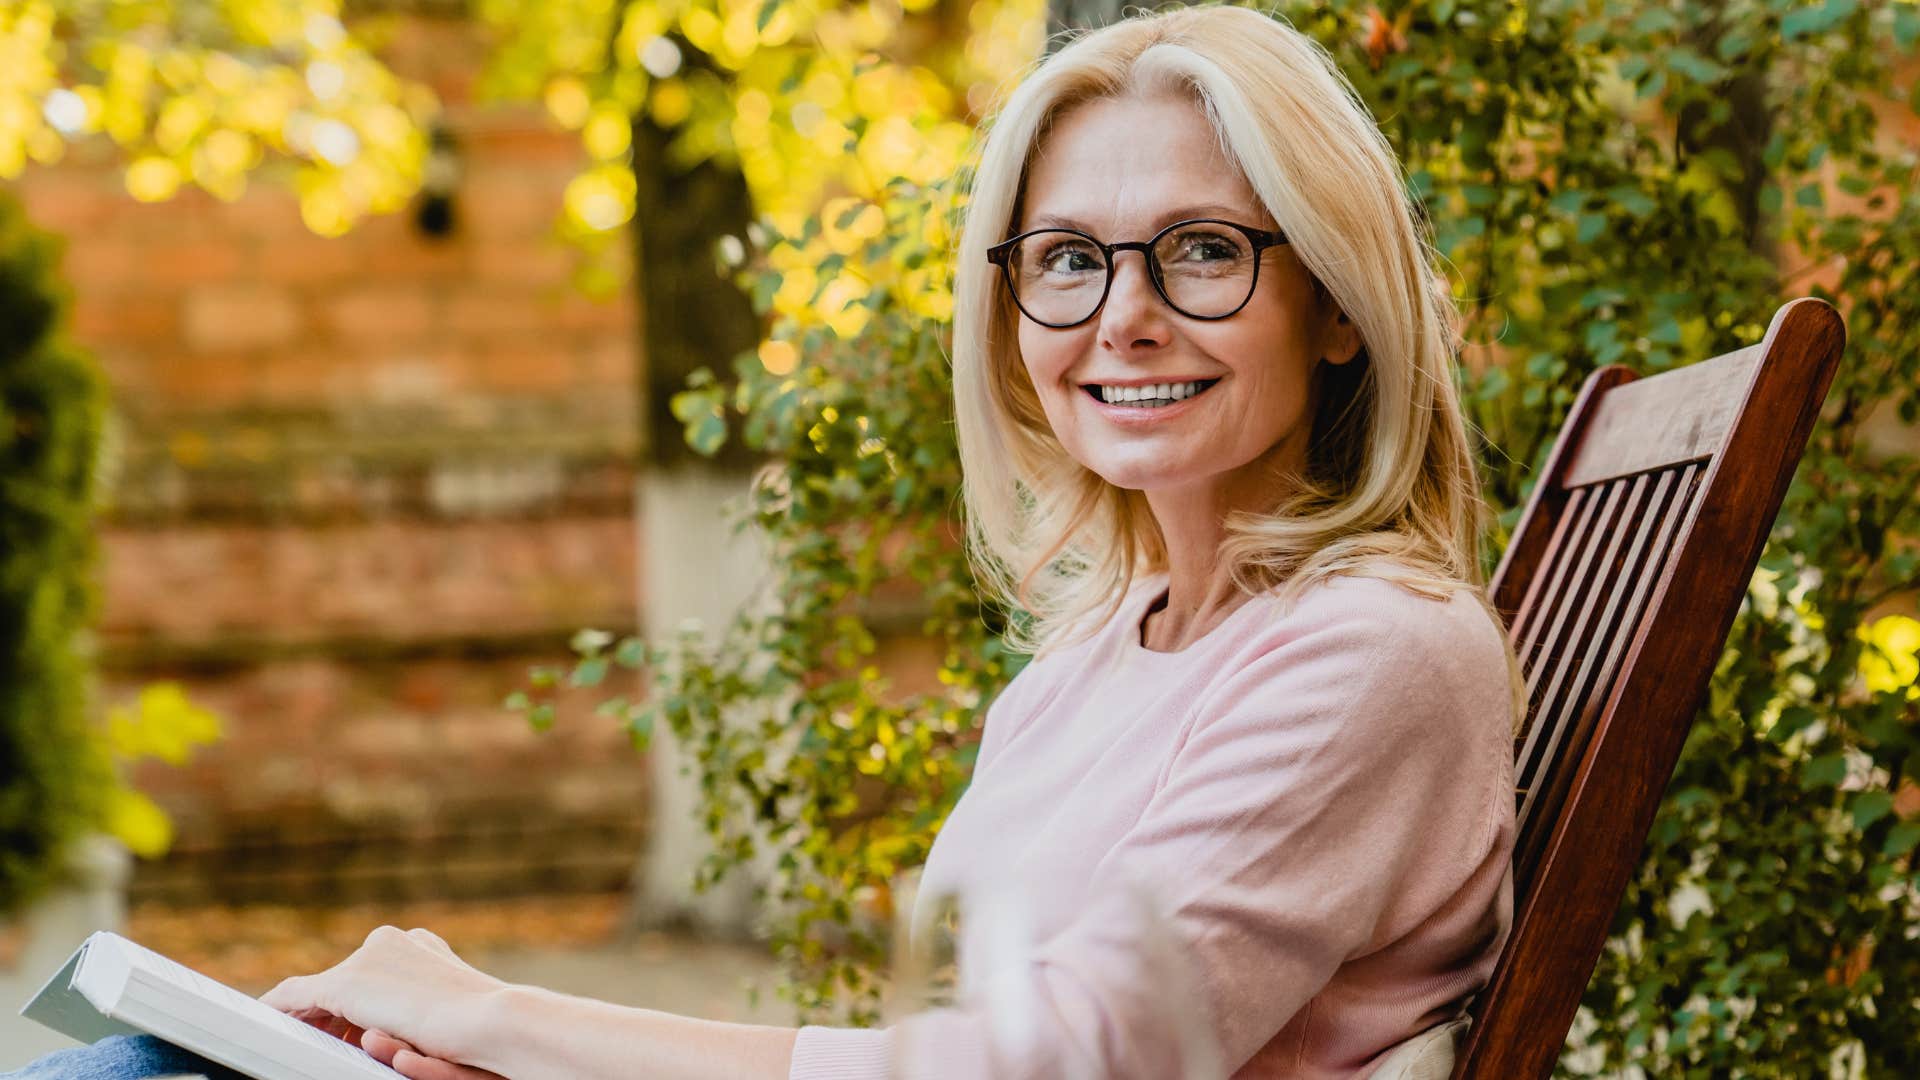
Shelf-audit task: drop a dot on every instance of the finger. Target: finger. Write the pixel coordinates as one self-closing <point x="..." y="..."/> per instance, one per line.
<point x="295" y="995"/>
<point x="430" y="939"/>
<point x="312" y="1017"/>
<point x="382" y="1045"/>
<point x="417" y="1066"/>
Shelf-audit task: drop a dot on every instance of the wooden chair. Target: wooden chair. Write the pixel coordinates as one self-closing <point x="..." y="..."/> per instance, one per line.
<point x="1620" y="586"/>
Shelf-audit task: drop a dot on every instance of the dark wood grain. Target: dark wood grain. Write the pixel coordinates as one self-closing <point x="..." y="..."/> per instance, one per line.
<point x="1619" y="629"/>
<point x="1681" y="415"/>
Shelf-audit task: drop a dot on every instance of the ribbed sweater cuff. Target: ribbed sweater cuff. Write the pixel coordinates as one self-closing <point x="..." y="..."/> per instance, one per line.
<point x="824" y="1053"/>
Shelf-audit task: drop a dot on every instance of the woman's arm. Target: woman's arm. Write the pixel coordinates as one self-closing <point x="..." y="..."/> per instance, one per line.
<point x="408" y="985"/>
<point x="528" y="1033"/>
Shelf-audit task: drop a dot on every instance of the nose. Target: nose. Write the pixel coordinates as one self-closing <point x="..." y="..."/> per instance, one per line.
<point x="1133" y="315"/>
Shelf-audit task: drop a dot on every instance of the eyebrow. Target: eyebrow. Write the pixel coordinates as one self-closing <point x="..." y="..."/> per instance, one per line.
<point x="1165" y="218"/>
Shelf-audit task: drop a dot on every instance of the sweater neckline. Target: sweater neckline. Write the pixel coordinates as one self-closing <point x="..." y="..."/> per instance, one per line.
<point x="1152" y="591"/>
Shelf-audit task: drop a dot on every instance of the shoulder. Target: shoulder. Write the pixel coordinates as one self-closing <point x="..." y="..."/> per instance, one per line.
<point x="1378" y="653"/>
<point x="1358" y="617"/>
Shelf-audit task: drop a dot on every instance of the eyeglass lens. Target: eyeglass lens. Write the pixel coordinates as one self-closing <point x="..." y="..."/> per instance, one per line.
<point x="1204" y="270"/>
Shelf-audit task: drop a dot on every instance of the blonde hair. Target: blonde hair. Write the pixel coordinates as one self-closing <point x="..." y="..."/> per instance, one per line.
<point x="1390" y="489"/>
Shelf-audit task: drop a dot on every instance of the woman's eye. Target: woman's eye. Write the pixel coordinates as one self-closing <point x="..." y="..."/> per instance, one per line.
<point x="1068" y="260"/>
<point x="1208" y="247"/>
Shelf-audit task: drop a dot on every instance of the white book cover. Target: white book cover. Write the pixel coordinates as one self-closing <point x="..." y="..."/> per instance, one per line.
<point x="112" y="986"/>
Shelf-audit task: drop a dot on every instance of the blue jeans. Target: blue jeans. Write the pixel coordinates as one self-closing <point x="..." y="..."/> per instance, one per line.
<point x="122" y="1057"/>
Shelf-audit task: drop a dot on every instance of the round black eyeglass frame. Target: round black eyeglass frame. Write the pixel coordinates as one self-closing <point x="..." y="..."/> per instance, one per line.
<point x="1260" y="239"/>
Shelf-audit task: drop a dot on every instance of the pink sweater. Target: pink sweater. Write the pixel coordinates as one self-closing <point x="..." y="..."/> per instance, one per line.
<point x="1322" y="801"/>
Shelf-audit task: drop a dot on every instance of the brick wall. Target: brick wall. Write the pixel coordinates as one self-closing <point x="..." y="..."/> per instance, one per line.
<point x="358" y="486"/>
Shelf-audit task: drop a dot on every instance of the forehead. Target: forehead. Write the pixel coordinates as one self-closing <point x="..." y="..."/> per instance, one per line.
<point x="1131" y="164"/>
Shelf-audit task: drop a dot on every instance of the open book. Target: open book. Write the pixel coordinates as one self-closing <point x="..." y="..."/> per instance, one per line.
<point x="112" y="986"/>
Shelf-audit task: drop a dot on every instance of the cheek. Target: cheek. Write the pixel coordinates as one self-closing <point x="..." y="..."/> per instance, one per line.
<point x="1035" y="354"/>
<point x="1046" y="360"/>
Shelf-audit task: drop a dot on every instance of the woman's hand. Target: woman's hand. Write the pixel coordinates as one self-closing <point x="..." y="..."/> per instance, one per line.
<point x="404" y="997"/>
<point x="411" y="1063"/>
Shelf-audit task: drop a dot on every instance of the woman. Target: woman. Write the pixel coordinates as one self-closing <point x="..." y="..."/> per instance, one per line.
<point x="1201" y="366"/>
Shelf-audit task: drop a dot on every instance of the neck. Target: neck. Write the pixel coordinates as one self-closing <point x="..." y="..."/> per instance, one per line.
<point x="1200" y="586"/>
<point x="1193" y="525"/>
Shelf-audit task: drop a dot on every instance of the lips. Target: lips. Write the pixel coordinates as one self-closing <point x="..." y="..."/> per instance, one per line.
<point x="1143" y="417"/>
<point x="1160" y="395"/>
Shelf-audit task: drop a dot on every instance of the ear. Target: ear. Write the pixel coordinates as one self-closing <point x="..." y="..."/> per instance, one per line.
<point x="1340" y="339"/>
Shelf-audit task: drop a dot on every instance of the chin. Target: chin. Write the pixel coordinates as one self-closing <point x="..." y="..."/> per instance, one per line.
<point x="1143" y="477"/>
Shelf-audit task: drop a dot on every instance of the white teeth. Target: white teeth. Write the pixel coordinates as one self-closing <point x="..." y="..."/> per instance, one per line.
<point x="1156" y="392"/>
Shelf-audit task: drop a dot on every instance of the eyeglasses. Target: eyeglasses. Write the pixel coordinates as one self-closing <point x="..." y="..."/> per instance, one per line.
<point x="1202" y="268"/>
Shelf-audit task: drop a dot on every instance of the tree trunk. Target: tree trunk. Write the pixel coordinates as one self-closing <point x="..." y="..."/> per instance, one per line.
<point x="692" y="565"/>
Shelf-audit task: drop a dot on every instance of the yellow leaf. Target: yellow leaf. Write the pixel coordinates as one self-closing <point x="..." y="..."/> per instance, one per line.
<point x="568" y="101"/>
<point x="153" y="179"/>
<point x="137" y="822"/>
<point x="608" y="134"/>
<point x="1891" y="662"/>
<point x="162" y="723"/>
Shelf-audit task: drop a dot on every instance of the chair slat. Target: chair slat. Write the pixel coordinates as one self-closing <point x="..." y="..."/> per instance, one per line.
<point x="1551" y="713"/>
<point x="1589" y="532"/>
<point x="1683" y="415"/>
<point x="1547" y="584"/>
<point x="1670" y="501"/>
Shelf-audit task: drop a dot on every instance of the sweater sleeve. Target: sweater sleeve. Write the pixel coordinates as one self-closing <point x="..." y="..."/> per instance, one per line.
<point x="1333" y="793"/>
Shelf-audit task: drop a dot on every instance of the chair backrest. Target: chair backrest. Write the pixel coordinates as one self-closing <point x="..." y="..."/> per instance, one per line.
<point x="1619" y="587"/>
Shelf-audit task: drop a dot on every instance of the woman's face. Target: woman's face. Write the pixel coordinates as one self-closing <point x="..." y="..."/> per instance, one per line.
<point x="1122" y="169"/>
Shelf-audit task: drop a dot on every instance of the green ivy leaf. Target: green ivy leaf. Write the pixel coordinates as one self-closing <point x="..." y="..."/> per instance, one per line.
<point x="1802" y="21"/>
<point x="590" y="672"/>
<point x="1601" y="297"/>
<point x="1655" y="20"/>
<point x="1901" y="839"/>
<point x="1906" y="25"/>
<point x="1493" y="384"/>
<point x="1793" y="720"/>
<point x="631" y="653"/>
<point x="1632" y="200"/>
<point x="1568" y="202"/>
<point x="1695" y="67"/>
<point x="707" y="435"/>
<point x="640" y="729"/>
<point x="1826" y="770"/>
<point x="1869" y="807"/>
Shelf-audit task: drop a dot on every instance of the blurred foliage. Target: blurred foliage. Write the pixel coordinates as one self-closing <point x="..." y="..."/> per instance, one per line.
<point x="60" y="773"/>
<point x="53" y="773"/>
<point x="203" y="93"/>
<point x="820" y="105"/>
<point x="1609" y="182"/>
<point x="809" y="100"/>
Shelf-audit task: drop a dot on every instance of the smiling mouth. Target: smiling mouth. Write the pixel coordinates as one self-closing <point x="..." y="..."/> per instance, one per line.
<point x="1156" y="396"/>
